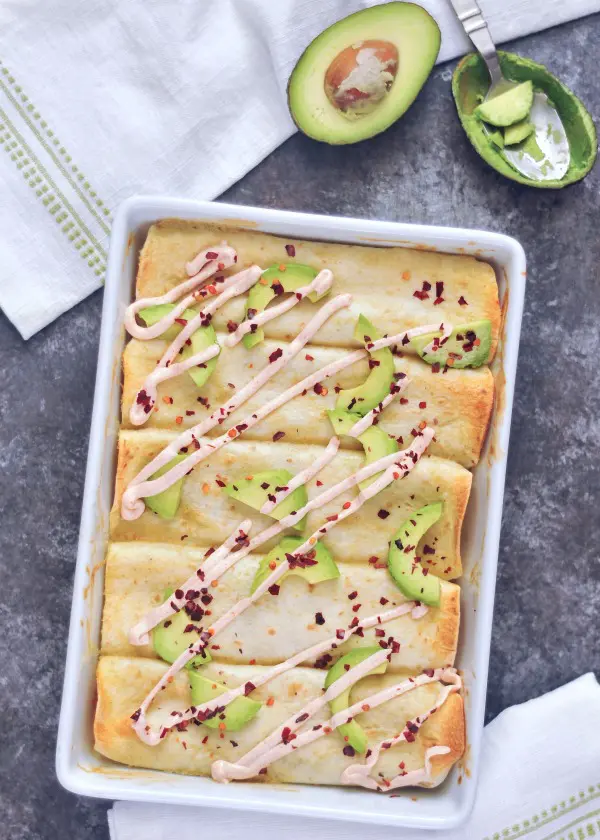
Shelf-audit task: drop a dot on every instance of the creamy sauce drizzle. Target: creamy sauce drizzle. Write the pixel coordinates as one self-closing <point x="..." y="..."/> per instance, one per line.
<point x="304" y="476"/>
<point x="396" y="465"/>
<point x="273" y="747"/>
<point x="367" y="421"/>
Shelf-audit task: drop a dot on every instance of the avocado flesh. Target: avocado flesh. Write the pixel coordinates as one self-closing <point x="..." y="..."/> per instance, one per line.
<point x="507" y="108"/>
<point x="375" y="441"/>
<point x="170" y="641"/>
<point x="165" y="504"/>
<point x="202" y="338"/>
<point x="235" y="716"/>
<point x="352" y="732"/>
<point x="293" y="277"/>
<point x="378" y="383"/>
<point x="408" y="27"/>
<point x="470" y="83"/>
<point x="411" y="578"/>
<point x="518" y="132"/>
<point x="325" y="568"/>
<point x="251" y="492"/>
<point x="456" y="350"/>
<point x="497" y="138"/>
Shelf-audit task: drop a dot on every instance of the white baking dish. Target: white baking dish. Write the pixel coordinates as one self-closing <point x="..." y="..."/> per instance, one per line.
<point x="83" y="771"/>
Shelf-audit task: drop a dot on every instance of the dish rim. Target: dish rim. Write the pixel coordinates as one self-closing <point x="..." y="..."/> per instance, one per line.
<point x="106" y="779"/>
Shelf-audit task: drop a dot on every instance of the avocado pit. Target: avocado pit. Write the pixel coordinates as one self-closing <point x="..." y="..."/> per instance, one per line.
<point x="361" y="76"/>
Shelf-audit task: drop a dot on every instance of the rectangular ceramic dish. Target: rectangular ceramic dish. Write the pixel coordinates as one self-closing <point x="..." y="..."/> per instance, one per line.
<point x="83" y="771"/>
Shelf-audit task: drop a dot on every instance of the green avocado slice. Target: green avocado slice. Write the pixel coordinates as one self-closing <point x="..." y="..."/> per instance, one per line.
<point x="459" y="351"/>
<point x="293" y="277"/>
<point x="519" y="131"/>
<point x="375" y="441"/>
<point x="507" y="108"/>
<point x="169" y="638"/>
<point x="255" y="491"/>
<point x="235" y="716"/>
<point x="325" y="568"/>
<point x="165" y="504"/>
<point x="497" y="138"/>
<point x="202" y="338"/>
<point x="411" y="577"/>
<point x="352" y="732"/>
<point x="378" y="383"/>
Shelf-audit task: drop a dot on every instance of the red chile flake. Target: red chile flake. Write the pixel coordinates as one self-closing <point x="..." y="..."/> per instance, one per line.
<point x="380" y="633"/>
<point x="249" y="688"/>
<point x="318" y="388"/>
<point x="435" y="367"/>
<point x="423" y="404"/>
<point x="349" y="751"/>
<point x="211" y="255"/>
<point x="278" y="435"/>
<point x="439" y="289"/>
<point x="277" y="287"/>
<point x="136" y="715"/>
<point x="427" y="549"/>
<point x="274" y="590"/>
<point x="428" y="672"/>
<point x="319" y="619"/>
<point x="276" y="354"/>
<point x="287" y="735"/>
<point x="462" y="301"/>
<point x="309" y="358"/>
<point x="290" y="250"/>
<point x="420" y="295"/>
<point x="383" y="601"/>
<point x="339" y="634"/>
<point x="383" y="514"/>
<point x="231" y="326"/>
<point x="353" y="595"/>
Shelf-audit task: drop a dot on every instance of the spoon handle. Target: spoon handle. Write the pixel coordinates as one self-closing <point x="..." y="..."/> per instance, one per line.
<point x="469" y="14"/>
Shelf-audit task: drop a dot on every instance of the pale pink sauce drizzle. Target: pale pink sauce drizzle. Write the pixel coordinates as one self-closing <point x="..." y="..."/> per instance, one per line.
<point x="225" y="256"/>
<point x="367" y="421"/>
<point x="403" y="464"/>
<point x="272" y="747"/>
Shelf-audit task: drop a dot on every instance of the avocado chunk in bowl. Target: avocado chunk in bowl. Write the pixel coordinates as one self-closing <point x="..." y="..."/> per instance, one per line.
<point x="470" y="83"/>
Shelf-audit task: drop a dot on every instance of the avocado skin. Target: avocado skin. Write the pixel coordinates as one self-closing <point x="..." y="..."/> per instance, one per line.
<point x="408" y="574"/>
<point x="352" y="731"/>
<point x="251" y="493"/>
<point x="470" y="83"/>
<point x="165" y="504"/>
<point x="325" y="568"/>
<point x="235" y="716"/>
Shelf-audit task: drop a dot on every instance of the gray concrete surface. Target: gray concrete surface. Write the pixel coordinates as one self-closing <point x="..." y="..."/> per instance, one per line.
<point x="421" y="170"/>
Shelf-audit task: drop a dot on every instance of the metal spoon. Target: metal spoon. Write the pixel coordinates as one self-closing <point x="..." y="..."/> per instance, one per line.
<point x="549" y="132"/>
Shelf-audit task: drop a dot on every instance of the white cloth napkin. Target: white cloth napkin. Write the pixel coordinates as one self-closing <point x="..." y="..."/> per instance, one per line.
<point x="102" y="99"/>
<point x="540" y="779"/>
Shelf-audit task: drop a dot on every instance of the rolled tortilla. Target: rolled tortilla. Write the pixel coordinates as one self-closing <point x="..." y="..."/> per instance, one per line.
<point x="124" y="682"/>
<point x="457" y="403"/>
<point x="277" y="627"/>
<point x="382" y="280"/>
<point x="206" y="515"/>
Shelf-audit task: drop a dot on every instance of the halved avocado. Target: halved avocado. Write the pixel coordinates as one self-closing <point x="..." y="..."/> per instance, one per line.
<point x="169" y="638"/>
<point x="378" y="383"/>
<point x="461" y="350"/>
<point x="507" y="108"/>
<point x="290" y="276"/>
<point x="235" y="716"/>
<point x="470" y="84"/>
<point x="324" y="569"/>
<point x="352" y="732"/>
<point x="412" y="578"/>
<point x="202" y="338"/>
<point x="363" y="72"/>
<point x="255" y="491"/>
<point x="165" y="504"/>
<point x="376" y="442"/>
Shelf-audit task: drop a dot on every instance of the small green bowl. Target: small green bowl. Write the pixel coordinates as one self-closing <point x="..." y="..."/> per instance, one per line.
<point x="470" y="83"/>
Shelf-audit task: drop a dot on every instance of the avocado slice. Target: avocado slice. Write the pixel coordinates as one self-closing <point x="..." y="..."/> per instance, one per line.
<point x="470" y="83"/>
<point x="352" y="732"/>
<point x="497" y="138"/>
<point x="517" y="132"/>
<point x="363" y="72"/>
<point x="255" y="491"/>
<point x="378" y="383"/>
<point x="324" y="569"/>
<point x="459" y="351"/>
<point x="165" y="504"/>
<point x="202" y="338"/>
<point x="288" y="276"/>
<point x="235" y="716"/>
<point x="375" y="441"/>
<point x="169" y="638"/>
<point x="412" y="579"/>
<point x="509" y="107"/>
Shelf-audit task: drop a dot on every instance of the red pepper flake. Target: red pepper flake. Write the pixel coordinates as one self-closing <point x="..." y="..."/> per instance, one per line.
<point x="318" y="388"/>
<point x="309" y="358"/>
<point x="277" y="287"/>
<point x="423" y="404"/>
<point x="380" y="633"/>
<point x="270" y="701"/>
<point x="346" y="505"/>
<point x="319" y="483"/>
<point x="383" y="514"/>
<point x="231" y="326"/>
<point x="332" y="518"/>
<point x="274" y="589"/>
<point x="427" y="549"/>
<point x="420" y="295"/>
<point x="439" y="288"/>
<point x="184" y="537"/>
<point x="249" y="688"/>
<point x="179" y="420"/>
<point x="205" y="739"/>
<point x="290" y="250"/>
<point x="353" y="595"/>
<point x="189" y="413"/>
<point x="428" y="672"/>
<point x="276" y="354"/>
<point x="356" y="607"/>
<point x="339" y="634"/>
<point x="426" y="286"/>
<point x="349" y="751"/>
<point x="462" y="301"/>
<point x="211" y="255"/>
<point x="438" y="300"/>
<point x="435" y="367"/>
<point x="383" y="601"/>
<point x="319" y="619"/>
<point x="373" y="559"/>
<point x="278" y="435"/>
<point x="182" y="321"/>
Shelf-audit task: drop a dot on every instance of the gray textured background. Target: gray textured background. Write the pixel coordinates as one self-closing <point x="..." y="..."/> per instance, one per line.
<point x="421" y="170"/>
